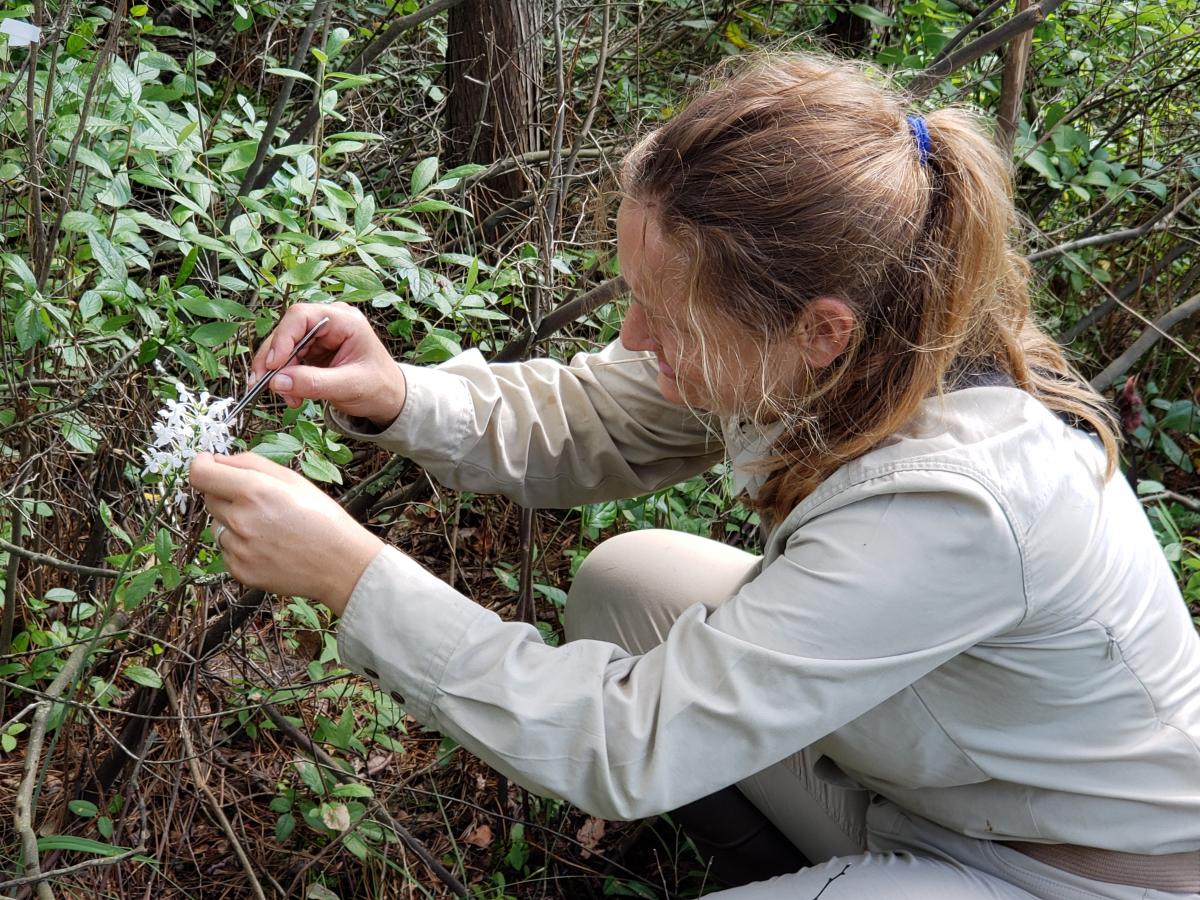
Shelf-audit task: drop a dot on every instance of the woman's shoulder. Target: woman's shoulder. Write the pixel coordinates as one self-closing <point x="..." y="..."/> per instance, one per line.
<point x="998" y="442"/>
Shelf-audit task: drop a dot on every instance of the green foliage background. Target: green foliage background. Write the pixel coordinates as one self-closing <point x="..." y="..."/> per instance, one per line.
<point x="131" y="255"/>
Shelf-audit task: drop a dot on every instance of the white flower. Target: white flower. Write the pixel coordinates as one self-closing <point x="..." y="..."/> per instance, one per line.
<point x="187" y="426"/>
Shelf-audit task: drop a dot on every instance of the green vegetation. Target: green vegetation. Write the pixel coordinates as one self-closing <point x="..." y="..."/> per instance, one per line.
<point x="173" y="177"/>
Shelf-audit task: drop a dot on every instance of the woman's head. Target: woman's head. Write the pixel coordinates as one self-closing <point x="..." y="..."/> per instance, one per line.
<point x="793" y="255"/>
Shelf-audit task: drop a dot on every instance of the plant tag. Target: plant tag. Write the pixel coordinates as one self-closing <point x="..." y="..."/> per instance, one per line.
<point x="20" y="34"/>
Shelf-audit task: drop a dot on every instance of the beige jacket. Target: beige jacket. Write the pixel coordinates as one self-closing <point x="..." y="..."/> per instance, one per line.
<point x="967" y="620"/>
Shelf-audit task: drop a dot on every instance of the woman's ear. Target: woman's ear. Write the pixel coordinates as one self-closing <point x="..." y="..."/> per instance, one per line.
<point x="824" y="330"/>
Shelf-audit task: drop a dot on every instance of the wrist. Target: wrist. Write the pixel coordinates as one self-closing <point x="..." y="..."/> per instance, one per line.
<point x="354" y="556"/>
<point x="392" y="403"/>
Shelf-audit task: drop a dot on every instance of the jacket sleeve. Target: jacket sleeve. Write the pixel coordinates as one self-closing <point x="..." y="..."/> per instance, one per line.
<point x="866" y="599"/>
<point x="544" y="433"/>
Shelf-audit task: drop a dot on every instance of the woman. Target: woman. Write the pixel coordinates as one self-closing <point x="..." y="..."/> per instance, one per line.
<point x="960" y="669"/>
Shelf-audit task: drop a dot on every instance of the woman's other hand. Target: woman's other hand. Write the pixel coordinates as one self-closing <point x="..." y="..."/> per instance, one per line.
<point x="345" y="364"/>
<point x="282" y="533"/>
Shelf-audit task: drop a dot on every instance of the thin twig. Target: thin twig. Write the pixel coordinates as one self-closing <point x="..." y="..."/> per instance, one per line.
<point x="357" y="66"/>
<point x="562" y="315"/>
<point x="42" y="559"/>
<point x="70" y="870"/>
<point x="1156" y="331"/>
<point x="91" y="392"/>
<point x="281" y="101"/>
<point x="308" y="745"/>
<point x="933" y="75"/>
<point x="23" y="805"/>
<point x="1159" y="221"/>
<point x="214" y="804"/>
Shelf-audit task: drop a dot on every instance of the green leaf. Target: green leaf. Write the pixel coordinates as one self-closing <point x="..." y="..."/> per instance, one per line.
<point x="871" y="14"/>
<point x="107" y="255"/>
<point x="318" y="468"/>
<point x="359" y="277"/>
<point x="139" y="587"/>
<point x="85" y="808"/>
<point x="214" y="334"/>
<point x="200" y="304"/>
<point x="143" y="676"/>
<point x="284" y="826"/>
<point x="30" y="325"/>
<point x="118" y="192"/>
<point x="352" y="789"/>
<point x="424" y="174"/>
<point x="164" y="545"/>
<point x="78" y="433"/>
<point x="1039" y="161"/>
<point x="438" y="346"/>
<point x="311" y="776"/>
<point x="76" y="221"/>
<point x="123" y="80"/>
<point x="278" y="447"/>
<point x="285" y="72"/>
<point x="304" y="273"/>
<point x="78" y="845"/>
<point x="90" y="304"/>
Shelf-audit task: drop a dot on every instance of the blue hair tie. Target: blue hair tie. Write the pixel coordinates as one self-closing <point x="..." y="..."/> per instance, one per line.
<point x="920" y="133"/>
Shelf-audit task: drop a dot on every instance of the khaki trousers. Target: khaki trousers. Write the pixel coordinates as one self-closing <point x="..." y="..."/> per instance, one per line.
<point x="631" y="589"/>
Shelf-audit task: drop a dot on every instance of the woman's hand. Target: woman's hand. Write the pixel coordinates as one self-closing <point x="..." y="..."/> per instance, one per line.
<point x="282" y="533"/>
<point x="345" y="364"/>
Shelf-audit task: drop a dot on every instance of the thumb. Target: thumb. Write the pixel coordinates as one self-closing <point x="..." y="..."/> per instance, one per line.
<point x="314" y="383"/>
<point x="255" y="463"/>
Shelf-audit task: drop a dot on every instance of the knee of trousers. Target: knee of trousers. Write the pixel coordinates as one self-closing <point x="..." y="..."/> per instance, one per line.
<point x="609" y="587"/>
<point x="634" y="585"/>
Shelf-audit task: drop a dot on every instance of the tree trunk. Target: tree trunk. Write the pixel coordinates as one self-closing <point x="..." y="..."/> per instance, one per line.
<point x="493" y="68"/>
<point x="1016" y="61"/>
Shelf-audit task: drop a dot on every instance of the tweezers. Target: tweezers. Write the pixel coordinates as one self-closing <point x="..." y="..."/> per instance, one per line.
<point x="259" y="385"/>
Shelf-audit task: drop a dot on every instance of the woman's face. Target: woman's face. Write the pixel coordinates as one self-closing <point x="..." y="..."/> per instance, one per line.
<point x="657" y="319"/>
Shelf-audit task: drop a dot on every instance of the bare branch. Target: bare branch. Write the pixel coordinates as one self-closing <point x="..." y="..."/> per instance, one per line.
<point x="562" y="315"/>
<point x="1158" y="222"/>
<point x="934" y="74"/>
<point x="42" y="559"/>
<point x="359" y="64"/>
<point x="1156" y="331"/>
<point x="23" y="806"/>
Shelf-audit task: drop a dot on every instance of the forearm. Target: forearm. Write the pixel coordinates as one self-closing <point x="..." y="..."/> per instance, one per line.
<point x="544" y="433"/>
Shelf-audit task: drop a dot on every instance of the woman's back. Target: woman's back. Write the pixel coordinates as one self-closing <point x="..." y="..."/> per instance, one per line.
<point x="1080" y="723"/>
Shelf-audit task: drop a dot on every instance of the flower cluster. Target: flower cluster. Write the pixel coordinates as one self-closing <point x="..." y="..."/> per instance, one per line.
<point x="187" y="426"/>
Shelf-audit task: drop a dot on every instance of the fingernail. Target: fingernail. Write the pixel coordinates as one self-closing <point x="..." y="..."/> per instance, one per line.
<point x="282" y="382"/>
<point x="270" y="357"/>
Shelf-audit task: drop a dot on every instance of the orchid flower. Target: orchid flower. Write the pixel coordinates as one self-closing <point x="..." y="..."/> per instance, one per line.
<point x="187" y="426"/>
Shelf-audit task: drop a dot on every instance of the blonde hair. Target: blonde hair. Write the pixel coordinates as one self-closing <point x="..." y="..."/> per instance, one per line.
<point x="797" y="177"/>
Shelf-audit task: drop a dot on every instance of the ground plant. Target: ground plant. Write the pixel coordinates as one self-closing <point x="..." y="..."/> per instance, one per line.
<point x="174" y="175"/>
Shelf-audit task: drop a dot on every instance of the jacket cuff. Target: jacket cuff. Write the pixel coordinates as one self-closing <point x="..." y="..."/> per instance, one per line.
<point x="434" y="421"/>
<point x="401" y="626"/>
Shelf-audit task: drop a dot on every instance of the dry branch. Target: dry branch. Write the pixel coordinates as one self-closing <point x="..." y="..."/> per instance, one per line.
<point x="563" y="315"/>
<point x="1156" y="223"/>
<point x="213" y="803"/>
<point x="933" y="75"/>
<point x="1155" y="332"/>
<point x="368" y="55"/>
<point x="43" y="560"/>
<point x="23" y="806"/>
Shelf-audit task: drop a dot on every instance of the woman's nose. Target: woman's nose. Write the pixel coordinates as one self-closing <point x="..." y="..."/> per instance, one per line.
<point x="635" y="333"/>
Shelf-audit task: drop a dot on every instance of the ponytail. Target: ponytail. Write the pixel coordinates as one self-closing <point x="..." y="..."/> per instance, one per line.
<point x="798" y="177"/>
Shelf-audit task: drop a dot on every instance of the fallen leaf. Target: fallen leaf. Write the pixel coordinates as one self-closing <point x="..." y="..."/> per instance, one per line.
<point x="479" y="836"/>
<point x="590" y="834"/>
